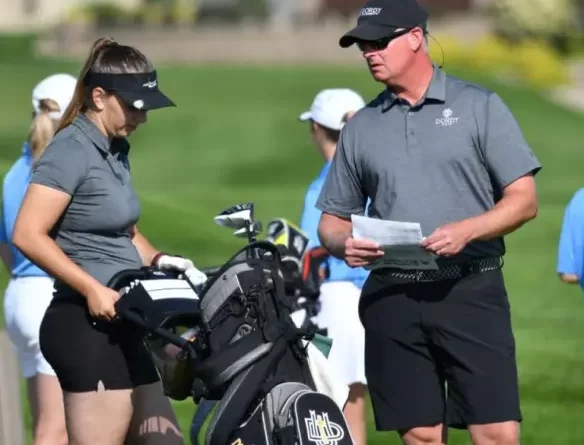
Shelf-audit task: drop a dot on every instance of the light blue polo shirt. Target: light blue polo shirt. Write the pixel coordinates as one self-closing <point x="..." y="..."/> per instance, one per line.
<point x="339" y="270"/>
<point x="13" y="190"/>
<point x="571" y="244"/>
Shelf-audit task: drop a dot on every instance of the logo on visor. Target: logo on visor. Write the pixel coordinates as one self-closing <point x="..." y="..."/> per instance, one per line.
<point x="365" y="12"/>
<point x="151" y="84"/>
<point x="138" y="104"/>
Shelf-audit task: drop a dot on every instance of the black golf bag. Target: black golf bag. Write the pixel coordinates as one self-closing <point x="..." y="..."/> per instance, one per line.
<point x="238" y="345"/>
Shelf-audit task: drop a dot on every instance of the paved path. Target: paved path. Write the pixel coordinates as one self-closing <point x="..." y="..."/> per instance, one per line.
<point x="240" y="44"/>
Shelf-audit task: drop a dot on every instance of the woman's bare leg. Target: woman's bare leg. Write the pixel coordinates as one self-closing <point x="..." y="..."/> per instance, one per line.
<point x="98" y="417"/>
<point x="154" y="421"/>
<point x="355" y="413"/>
<point x="46" y="402"/>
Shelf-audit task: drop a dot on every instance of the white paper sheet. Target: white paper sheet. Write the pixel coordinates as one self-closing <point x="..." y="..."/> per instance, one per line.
<point x="399" y="240"/>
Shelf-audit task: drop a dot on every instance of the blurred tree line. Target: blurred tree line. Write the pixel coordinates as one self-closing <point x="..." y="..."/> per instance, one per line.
<point x="559" y="23"/>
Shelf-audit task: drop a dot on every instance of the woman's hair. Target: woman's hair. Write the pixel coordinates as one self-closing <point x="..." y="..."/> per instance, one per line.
<point x="42" y="128"/>
<point x="105" y="57"/>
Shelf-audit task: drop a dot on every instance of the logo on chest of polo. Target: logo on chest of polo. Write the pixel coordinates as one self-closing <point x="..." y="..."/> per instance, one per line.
<point x="447" y="119"/>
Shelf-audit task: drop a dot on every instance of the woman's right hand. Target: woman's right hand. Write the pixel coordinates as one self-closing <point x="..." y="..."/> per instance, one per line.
<point x="100" y="302"/>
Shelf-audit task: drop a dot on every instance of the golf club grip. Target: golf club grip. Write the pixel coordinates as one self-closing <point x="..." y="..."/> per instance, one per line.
<point x="125" y="277"/>
<point x="163" y="333"/>
<point x="211" y="271"/>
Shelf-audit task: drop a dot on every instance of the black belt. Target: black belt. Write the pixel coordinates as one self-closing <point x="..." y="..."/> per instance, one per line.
<point x="453" y="271"/>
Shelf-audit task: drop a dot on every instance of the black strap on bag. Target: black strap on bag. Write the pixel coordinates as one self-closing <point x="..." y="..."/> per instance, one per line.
<point x="229" y="415"/>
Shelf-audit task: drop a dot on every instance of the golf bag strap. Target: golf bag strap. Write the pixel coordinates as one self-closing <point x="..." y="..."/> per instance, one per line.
<point x="204" y="408"/>
<point x="231" y="408"/>
<point x="225" y="365"/>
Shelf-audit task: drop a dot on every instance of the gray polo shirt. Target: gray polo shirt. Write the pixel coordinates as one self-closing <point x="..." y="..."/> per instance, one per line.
<point x="442" y="160"/>
<point x="94" y="230"/>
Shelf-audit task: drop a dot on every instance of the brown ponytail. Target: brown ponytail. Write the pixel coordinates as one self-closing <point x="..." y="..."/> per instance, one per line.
<point x="77" y="104"/>
<point x="42" y="128"/>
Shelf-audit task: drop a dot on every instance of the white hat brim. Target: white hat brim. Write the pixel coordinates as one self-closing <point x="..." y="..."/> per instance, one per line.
<point x="305" y="116"/>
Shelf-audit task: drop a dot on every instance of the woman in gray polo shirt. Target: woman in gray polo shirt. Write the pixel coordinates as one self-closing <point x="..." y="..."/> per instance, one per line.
<point x="78" y="223"/>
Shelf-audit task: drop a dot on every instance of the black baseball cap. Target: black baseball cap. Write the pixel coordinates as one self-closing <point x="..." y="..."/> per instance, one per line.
<point x="381" y="18"/>
<point x="137" y="90"/>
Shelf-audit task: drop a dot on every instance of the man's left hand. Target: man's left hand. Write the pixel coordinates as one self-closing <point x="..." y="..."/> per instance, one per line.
<point x="449" y="239"/>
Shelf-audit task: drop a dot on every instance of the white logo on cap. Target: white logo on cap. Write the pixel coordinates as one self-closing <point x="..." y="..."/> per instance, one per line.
<point x="138" y="104"/>
<point x="370" y="11"/>
<point x="151" y="84"/>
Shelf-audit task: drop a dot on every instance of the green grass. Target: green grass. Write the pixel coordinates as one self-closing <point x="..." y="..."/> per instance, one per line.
<point x="234" y="137"/>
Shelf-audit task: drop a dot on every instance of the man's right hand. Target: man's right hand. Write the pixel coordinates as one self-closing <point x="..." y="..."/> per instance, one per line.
<point x="359" y="253"/>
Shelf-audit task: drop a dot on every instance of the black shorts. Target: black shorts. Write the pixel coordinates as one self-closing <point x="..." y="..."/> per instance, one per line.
<point x="441" y="352"/>
<point x="83" y="353"/>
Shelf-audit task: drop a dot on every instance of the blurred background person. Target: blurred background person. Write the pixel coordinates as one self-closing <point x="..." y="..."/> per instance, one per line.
<point x="571" y="244"/>
<point x="339" y="294"/>
<point x="30" y="289"/>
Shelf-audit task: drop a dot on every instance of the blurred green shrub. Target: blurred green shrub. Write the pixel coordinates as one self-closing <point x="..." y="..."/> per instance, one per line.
<point x="539" y="65"/>
<point x="554" y="22"/>
<point x="253" y="8"/>
<point x="167" y="12"/>
<point x="529" y="61"/>
<point x="232" y="11"/>
<point x="101" y="13"/>
<point x="182" y="12"/>
<point x="107" y="13"/>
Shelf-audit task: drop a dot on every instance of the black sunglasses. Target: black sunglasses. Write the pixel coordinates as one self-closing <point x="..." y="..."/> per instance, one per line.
<point x="380" y="44"/>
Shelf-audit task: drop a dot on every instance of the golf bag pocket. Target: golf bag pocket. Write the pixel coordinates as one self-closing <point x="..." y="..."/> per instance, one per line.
<point x="319" y="420"/>
<point x="293" y="414"/>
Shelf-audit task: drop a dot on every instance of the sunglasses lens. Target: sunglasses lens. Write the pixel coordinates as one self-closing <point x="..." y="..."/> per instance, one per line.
<point x="375" y="45"/>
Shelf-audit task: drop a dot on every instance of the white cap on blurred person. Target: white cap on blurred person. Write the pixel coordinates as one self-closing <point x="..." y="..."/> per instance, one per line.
<point x="331" y="106"/>
<point x="58" y="87"/>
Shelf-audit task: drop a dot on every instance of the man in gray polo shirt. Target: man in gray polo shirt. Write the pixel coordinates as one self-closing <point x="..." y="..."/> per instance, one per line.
<point x="449" y="155"/>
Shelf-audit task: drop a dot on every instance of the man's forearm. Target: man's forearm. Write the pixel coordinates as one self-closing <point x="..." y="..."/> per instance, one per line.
<point x="510" y="213"/>
<point x="333" y="233"/>
<point x="335" y="243"/>
<point x="569" y="278"/>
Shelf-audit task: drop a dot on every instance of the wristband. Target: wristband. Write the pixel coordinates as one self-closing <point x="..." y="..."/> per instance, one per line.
<point x="156" y="257"/>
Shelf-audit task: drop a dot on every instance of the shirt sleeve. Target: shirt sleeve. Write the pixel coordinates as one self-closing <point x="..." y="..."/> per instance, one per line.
<point x="62" y="166"/>
<point x="507" y="153"/>
<point x="342" y="193"/>
<point x="3" y="234"/>
<point x="310" y="218"/>
<point x="571" y="243"/>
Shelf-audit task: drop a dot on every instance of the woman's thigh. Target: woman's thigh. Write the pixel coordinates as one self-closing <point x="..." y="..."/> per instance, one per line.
<point x="26" y="301"/>
<point x="154" y="421"/>
<point x="88" y="355"/>
<point x="339" y="314"/>
<point x="98" y="366"/>
<point x="98" y="417"/>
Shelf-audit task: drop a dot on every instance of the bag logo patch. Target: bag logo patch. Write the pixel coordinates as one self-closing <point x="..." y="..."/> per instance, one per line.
<point x="321" y="430"/>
